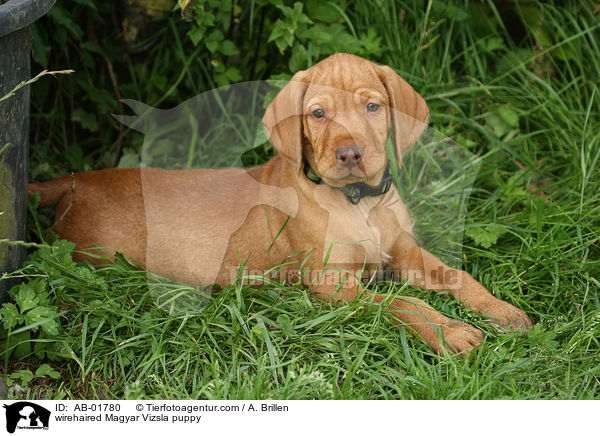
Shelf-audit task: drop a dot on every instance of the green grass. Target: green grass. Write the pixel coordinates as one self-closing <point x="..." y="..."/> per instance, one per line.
<point x="528" y="106"/>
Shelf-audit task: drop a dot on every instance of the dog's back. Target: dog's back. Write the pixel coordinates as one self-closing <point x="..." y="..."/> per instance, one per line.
<point x="175" y="223"/>
<point x="109" y="202"/>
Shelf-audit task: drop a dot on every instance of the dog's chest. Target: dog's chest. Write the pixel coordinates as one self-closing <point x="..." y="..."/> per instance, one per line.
<point x="350" y="237"/>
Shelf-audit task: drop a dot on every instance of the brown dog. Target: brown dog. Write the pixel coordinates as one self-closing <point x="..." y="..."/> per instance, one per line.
<point x="323" y="209"/>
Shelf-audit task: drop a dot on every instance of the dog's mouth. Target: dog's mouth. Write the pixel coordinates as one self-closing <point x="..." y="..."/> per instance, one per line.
<point x="346" y="175"/>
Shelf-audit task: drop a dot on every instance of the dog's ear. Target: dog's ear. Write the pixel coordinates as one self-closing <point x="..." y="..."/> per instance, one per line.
<point x="408" y="110"/>
<point x="283" y="118"/>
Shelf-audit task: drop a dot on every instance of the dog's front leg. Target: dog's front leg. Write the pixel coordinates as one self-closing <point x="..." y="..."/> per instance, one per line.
<point x="425" y="270"/>
<point x="439" y="331"/>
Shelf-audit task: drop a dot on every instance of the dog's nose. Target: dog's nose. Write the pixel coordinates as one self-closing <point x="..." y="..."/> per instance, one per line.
<point x="349" y="156"/>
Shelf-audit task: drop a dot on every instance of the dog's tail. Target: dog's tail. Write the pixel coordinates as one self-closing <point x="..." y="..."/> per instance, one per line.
<point x="52" y="191"/>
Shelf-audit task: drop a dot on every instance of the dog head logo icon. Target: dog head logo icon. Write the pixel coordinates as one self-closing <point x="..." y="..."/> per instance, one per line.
<point x="25" y="414"/>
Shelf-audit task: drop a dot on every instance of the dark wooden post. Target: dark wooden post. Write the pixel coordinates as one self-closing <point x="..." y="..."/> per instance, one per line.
<point x="15" y="67"/>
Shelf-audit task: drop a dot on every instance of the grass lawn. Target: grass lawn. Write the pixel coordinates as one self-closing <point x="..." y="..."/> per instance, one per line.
<point x="529" y="108"/>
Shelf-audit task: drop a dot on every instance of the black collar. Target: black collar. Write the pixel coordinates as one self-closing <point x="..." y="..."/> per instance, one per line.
<point x="355" y="191"/>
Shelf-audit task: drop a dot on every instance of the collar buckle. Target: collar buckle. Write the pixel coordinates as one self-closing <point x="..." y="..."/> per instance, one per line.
<point x="355" y="191"/>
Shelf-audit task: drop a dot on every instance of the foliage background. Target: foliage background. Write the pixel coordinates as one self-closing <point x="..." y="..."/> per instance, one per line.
<point x="516" y="82"/>
<point x="140" y="50"/>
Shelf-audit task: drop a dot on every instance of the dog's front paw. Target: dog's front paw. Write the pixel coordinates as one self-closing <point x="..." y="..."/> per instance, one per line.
<point x="457" y="337"/>
<point x="507" y="315"/>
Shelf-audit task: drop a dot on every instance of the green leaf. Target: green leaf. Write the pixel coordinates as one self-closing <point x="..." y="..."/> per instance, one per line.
<point x="65" y="20"/>
<point x="196" y="34"/>
<point x="540" y="337"/>
<point x="10" y="316"/>
<point x="318" y="10"/>
<point x="493" y="44"/>
<point x="212" y="46"/>
<point x="282" y="35"/>
<point x="298" y="60"/>
<point x="43" y="349"/>
<point x="34" y="201"/>
<point x="371" y="41"/>
<point x="297" y="17"/>
<point x="566" y="53"/>
<point x="23" y="376"/>
<point x="258" y="331"/>
<point x="26" y="297"/>
<point x="261" y="137"/>
<point x="88" y="277"/>
<point x="457" y="13"/>
<point x="91" y="46"/>
<point x="46" y="370"/>
<point x="533" y="17"/>
<point x="508" y="115"/>
<point x="44" y="315"/>
<point x="39" y="286"/>
<point x="498" y="126"/>
<point x="20" y="344"/>
<point x="285" y="323"/>
<point x="502" y="119"/>
<point x="129" y="160"/>
<point x="486" y="236"/>
<point x="233" y="74"/>
<point x="228" y="48"/>
<point x="87" y="120"/>
<point x="213" y="41"/>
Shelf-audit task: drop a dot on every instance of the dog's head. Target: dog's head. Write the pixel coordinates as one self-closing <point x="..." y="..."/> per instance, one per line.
<point x="337" y="115"/>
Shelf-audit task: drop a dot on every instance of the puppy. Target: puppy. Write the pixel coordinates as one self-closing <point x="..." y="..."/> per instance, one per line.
<point x="321" y="211"/>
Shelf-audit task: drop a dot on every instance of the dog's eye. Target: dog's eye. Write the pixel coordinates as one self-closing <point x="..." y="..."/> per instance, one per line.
<point x="372" y="107"/>
<point x="319" y="113"/>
